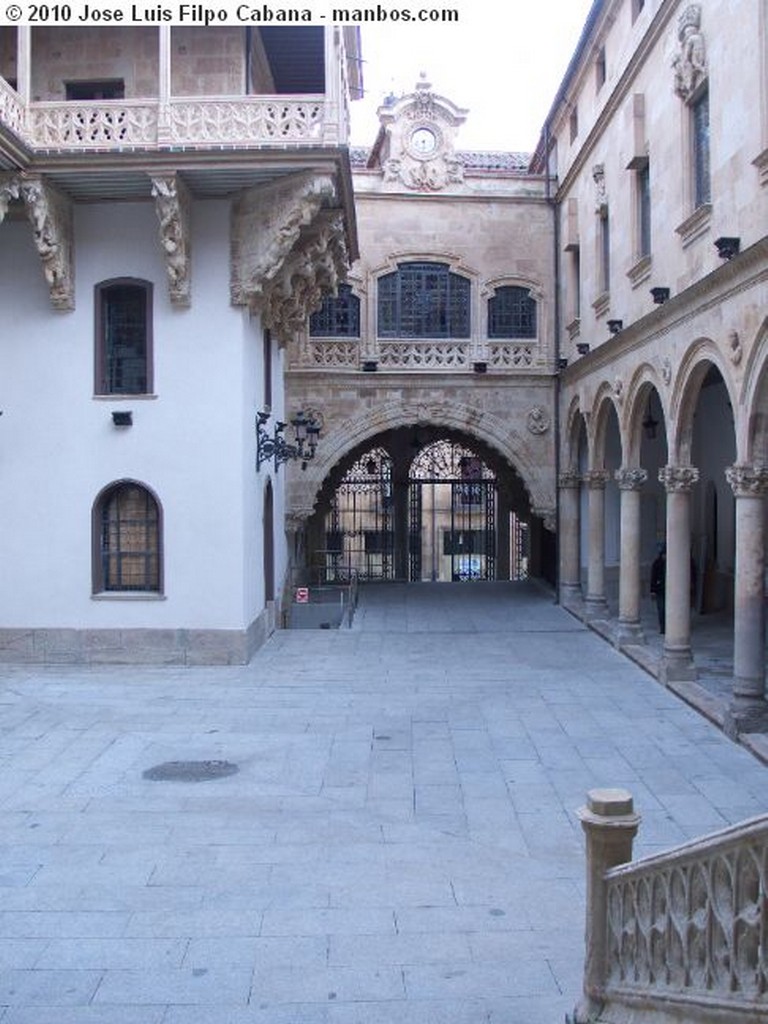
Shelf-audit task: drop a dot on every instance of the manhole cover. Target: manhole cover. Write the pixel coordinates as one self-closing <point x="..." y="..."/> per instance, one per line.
<point x="190" y="771"/>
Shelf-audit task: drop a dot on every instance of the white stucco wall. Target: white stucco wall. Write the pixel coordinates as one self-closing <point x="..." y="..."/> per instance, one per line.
<point x="192" y="443"/>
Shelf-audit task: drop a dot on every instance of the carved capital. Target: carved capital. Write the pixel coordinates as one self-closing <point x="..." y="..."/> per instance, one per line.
<point x="173" y="206"/>
<point x="50" y="214"/>
<point x="266" y="224"/>
<point x="548" y="517"/>
<point x="596" y="479"/>
<point x="10" y="188"/>
<point x="747" y="481"/>
<point x="690" y="61"/>
<point x="630" y="479"/>
<point x="678" y="479"/>
<point x="296" y="518"/>
<point x="569" y="479"/>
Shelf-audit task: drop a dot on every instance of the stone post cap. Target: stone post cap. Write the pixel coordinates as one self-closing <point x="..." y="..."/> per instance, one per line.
<point x="609" y="807"/>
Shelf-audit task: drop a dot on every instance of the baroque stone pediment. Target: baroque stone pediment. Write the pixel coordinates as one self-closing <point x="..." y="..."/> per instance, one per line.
<point x="288" y="250"/>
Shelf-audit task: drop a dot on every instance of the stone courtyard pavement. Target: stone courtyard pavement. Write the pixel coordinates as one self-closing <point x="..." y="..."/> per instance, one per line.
<point x="399" y="845"/>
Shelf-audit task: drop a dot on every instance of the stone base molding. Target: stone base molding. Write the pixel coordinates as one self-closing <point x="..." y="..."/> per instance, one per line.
<point x="134" y="646"/>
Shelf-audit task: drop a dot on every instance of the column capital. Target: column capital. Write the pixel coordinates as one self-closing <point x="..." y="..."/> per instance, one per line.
<point x="630" y="478"/>
<point x="596" y="479"/>
<point x="678" y="479"/>
<point x="747" y="481"/>
<point x="569" y="479"/>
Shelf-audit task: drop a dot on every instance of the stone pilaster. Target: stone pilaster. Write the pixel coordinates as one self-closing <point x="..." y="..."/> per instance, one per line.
<point x="630" y="481"/>
<point x="748" y="710"/>
<point x="596" y="604"/>
<point x="569" y="484"/>
<point x="677" y="660"/>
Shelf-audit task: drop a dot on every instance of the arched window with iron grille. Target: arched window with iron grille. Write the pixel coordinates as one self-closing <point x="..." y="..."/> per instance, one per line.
<point x="127" y="540"/>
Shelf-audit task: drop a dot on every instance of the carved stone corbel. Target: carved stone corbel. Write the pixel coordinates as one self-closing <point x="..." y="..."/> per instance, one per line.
<point x="50" y="214"/>
<point x="172" y="204"/>
<point x="266" y="224"/>
<point x="10" y="189"/>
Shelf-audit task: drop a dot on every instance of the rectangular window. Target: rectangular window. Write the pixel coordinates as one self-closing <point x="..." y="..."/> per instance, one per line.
<point x="123" y="336"/>
<point x="702" y="193"/>
<point x="95" y="89"/>
<point x="600" y="70"/>
<point x="573" y="124"/>
<point x="604" y="228"/>
<point x="643" y="185"/>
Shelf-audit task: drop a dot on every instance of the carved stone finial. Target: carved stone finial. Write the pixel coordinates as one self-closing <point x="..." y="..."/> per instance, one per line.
<point x="690" y="62"/>
<point x="50" y="215"/>
<point x="172" y="206"/>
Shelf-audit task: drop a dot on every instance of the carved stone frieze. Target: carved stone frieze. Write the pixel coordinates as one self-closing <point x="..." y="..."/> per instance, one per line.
<point x="50" y="215"/>
<point x="630" y="478"/>
<point x="747" y="481"/>
<point x="173" y="207"/>
<point x="690" y="61"/>
<point x="678" y="479"/>
<point x="537" y="420"/>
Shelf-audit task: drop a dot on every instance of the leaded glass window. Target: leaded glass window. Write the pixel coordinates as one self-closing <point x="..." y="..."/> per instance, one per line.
<point x="338" y="317"/>
<point x="423" y="300"/>
<point x="512" y="313"/>
<point x="123" y="338"/>
<point x="129" y="540"/>
<point x="701" y="174"/>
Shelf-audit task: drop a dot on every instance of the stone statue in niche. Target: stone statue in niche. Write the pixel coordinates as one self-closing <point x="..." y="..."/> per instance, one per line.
<point x="690" y="62"/>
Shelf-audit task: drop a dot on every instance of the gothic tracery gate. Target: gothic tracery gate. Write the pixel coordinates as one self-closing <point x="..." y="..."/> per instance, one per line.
<point x="452" y="515"/>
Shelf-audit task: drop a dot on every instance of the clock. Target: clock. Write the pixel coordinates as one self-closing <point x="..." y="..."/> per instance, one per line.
<point x="423" y="142"/>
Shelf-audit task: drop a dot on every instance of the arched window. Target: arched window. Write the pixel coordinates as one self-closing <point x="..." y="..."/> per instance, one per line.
<point x="338" y="317"/>
<point x="123" y="338"/>
<point x="423" y="300"/>
<point x="127" y="554"/>
<point x="512" y="313"/>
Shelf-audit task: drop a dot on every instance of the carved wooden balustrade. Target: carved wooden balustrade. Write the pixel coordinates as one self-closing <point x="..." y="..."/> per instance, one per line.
<point x="679" y="936"/>
<point x="242" y="122"/>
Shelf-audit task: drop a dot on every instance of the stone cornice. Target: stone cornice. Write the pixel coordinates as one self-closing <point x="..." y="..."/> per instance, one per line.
<point x="744" y="271"/>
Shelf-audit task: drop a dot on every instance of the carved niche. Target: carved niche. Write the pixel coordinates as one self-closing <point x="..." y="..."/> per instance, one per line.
<point x="288" y="250"/>
<point x="172" y="205"/>
<point x="690" y="61"/>
<point x="419" y="131"/>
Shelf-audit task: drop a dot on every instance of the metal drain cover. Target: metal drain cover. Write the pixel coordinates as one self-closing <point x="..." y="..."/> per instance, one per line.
<point x="190" y="771"/>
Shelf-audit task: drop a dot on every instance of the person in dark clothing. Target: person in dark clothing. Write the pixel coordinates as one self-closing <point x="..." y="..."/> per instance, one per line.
<point x="659" y="583"/>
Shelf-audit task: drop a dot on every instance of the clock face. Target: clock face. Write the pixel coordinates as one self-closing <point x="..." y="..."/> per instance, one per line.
<point x="423" y="141"/>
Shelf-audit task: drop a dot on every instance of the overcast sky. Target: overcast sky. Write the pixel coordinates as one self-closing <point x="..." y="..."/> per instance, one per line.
<point x="505" y="69"/>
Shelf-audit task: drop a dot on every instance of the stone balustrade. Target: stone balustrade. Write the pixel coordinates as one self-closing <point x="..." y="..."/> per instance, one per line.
<point x="675" y="937"/>
<point x="241" y="122"/>
<point x="409" y="355"/>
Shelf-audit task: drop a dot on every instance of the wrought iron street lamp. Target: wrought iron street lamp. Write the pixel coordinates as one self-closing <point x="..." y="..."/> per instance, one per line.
<point x="278" y="448"/>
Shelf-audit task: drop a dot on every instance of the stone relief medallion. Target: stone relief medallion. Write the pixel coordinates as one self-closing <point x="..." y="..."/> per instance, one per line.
<point x="537" y="420"/>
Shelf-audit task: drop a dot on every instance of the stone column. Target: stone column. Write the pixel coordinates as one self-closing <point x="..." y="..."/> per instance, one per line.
<point x="610" y="825"/>
<point x="596" y="605"/>
<point x="570" y="552"/>
<point x="677" y="661"/>
<point x="748" y="711"/>
<point x="630" y="481"/>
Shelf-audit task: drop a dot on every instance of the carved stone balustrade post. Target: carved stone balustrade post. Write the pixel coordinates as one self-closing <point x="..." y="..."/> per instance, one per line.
<point x="610" y="825"/>
<point x="630" y="481"/>
<point x="677" y="662"/>
<point x="570" y="556"/>
<point x="596" y="605"/>
<point x="748" y="711"/>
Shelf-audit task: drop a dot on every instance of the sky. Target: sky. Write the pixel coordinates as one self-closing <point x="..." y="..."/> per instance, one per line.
<point x="505" y="69"/>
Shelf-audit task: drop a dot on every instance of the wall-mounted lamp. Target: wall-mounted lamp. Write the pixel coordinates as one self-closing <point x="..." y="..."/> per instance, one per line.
<point x="727" y="247"/>
<point x="649" y="423"/>
<point x="660" y="295"/>
<point x="480" y="367"/>
<point x="277" y="448"/>
<point x="562" y="363"/>
<point x="614" y="326"/>
<point x="582" y="348"/>
<point x="122" y="418"/>
<point x="370" y="366"/>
